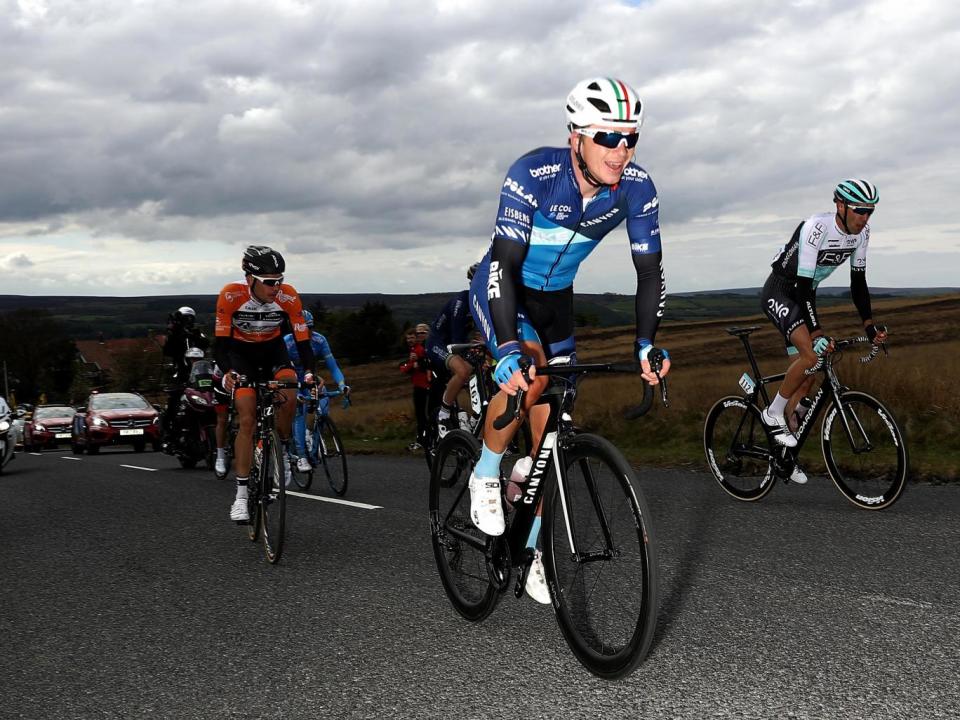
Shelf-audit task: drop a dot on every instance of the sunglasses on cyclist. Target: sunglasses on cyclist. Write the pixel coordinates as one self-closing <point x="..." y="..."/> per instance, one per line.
<point x="269" y="281"/>
<point x="862" y="210"/>
<point x="610" y="139"/>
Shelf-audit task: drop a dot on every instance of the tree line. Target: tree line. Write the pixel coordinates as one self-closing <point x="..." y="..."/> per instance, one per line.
<point x="42" y="361"/>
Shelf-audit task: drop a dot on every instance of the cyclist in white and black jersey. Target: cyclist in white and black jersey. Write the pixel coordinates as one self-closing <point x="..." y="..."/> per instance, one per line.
<point x="819" y="245"/>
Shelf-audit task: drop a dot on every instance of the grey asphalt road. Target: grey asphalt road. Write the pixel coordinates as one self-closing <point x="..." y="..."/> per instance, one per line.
<point x="126" y="593"/>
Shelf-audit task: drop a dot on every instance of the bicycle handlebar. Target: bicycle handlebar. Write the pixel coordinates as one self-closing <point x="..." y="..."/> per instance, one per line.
<point x="514" y="402"/>
<point x="461" y="348"/>
<point x="839" y="345"/>
<point x="243" y="382"/>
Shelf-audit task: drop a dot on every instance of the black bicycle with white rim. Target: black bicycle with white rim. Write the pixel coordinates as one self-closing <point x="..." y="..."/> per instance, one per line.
<point x="862" y="445"/>
<point x="599" y="552"/>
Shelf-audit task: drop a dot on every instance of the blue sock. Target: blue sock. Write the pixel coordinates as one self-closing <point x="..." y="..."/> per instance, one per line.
<point x="489" y="463"/>
<point x="534" y="533"/>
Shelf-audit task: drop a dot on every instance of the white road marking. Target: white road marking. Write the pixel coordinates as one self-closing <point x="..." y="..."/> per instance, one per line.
<point x="137" y="467"/>
<point x="338" y="501"/>
<point x="894" y="600"/>
<point x="69" y="457"/>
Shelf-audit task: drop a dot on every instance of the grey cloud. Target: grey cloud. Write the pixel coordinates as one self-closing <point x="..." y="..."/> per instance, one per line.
<point x="390" y="125"/>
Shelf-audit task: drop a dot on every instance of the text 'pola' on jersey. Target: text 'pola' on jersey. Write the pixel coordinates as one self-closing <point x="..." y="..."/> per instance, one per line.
<point x="541" y="207"/>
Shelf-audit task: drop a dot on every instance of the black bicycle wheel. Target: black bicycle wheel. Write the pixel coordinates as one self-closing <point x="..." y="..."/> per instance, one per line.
<point x="431" y="440"/>
<point x="864" y="451"/>
<point x="738" y="449"/>
<point x="458" y="546"/>
<point x="333" y="459"/>
<point x="303" y="480"/>
<point x="253" y="492"/>
<point x="273" y="499"/>
<point x="604" y="584"/>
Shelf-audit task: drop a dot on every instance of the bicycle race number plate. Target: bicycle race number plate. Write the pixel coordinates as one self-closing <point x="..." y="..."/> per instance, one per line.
<point x="746" y="382"/>
<point x="133" y="431"/>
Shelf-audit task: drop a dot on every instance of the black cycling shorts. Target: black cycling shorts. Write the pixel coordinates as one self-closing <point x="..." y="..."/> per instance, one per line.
<point x="778" y="301"/>
<point x="259" y="361"/>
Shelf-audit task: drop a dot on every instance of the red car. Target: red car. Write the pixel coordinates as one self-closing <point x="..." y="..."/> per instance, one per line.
<point x="48" y="427"/>
<point x="115" y="419"/>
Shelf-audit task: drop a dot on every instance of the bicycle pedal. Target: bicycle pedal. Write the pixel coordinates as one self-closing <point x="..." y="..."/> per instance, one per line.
<point x="522" y="576"/>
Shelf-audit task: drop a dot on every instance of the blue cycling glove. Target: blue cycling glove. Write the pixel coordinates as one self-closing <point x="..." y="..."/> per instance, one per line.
<point x="506" y="367"/>
<point x="644" y="347"/>
<point x="821" y="344"/>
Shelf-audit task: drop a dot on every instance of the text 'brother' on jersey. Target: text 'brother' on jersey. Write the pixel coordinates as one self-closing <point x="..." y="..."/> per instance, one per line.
<point x="542" y="210"/>
<point x="541" y="206"/>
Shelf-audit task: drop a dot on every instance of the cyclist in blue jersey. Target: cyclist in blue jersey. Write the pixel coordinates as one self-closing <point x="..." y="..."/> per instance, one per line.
<point x="819" y="245"/>
<point x="451" y="326"/>
<point x="321" y="351"/>
<point x="556" y="205"/>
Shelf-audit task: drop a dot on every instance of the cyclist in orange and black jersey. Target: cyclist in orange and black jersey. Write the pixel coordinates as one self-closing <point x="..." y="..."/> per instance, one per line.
<point x="252" y="317"/>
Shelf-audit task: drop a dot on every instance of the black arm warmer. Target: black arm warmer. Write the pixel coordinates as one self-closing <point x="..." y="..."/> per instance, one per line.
<point x="307" y="360"/>
<point x="860" y="293"/>
<point x="651" y="296"/>
<point x="807" y="299"/>
<point x="505" y="263"/>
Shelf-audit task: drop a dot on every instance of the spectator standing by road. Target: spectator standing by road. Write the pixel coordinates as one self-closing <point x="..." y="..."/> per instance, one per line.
<point x="417" y="367"/>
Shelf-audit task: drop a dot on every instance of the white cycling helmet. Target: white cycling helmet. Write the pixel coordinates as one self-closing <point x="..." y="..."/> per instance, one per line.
<point x="193" y="353"/>
<point x="604" y="101"/>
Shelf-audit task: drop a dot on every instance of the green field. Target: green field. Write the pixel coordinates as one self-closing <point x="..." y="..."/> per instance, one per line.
<point x="916" y="382"/>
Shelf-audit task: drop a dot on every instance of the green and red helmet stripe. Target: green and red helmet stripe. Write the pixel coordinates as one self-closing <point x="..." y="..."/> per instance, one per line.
<point x="623" y="97"/>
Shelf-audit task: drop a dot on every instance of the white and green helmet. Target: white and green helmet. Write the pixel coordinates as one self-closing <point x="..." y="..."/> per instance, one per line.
<point x="604" y="101"/>
<point x="858" y="192"/>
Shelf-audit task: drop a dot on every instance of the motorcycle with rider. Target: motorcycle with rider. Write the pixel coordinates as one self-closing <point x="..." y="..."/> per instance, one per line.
<point x="191" y="435"/>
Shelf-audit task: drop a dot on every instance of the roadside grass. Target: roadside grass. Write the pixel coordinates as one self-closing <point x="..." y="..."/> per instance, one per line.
<point x="916" y="382"/>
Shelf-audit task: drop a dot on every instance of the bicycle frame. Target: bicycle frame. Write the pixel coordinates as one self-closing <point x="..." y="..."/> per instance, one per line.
<point x="829" y="390"/>
<point x="548" y="466"/>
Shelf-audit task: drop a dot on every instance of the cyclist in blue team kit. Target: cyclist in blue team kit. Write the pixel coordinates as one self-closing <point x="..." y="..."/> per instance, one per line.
<point x="452" y="372"/>
<point x="819" y="245"/>
<point x="556" y="205"/>
<point x="322" y="353"/>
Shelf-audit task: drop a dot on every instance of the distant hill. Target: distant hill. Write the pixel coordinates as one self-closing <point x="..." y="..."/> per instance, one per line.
<point x="118" y="317"/>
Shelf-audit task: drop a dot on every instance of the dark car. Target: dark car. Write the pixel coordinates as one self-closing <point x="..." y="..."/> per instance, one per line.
<point x="115" y="419"/>
<point x="48" y="427"/>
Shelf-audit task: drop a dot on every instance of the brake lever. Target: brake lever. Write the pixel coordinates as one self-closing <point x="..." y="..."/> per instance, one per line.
<point x="656" y="359"/>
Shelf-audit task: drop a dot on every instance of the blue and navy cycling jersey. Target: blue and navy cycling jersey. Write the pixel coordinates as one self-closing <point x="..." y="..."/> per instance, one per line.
<point x="449" y="327"/>
<point x="321" y="351"/>
<point x="542" y="210"/>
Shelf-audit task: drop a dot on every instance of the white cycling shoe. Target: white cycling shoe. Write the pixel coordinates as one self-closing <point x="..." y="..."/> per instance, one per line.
<point x="486" y="510"/>
<point x="798" y="476"/>
<point x="220" y="467"/>
<point x="239" y="511"/>
<point x="303" y="465"/>
<point x="781" y="430"/>
<point x="536" y="585"/>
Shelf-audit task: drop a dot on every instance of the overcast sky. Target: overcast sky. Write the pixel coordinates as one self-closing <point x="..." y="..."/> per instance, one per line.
<point x="143" y="145"/>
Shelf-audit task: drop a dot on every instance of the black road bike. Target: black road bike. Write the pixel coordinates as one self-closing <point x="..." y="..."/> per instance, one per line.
<point x="599" y="551"/>
<point x="862" y="445"/>
<point x="266" y="494"/>
<point x="323" y="445"/>
<point x="481" y="389"/>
